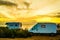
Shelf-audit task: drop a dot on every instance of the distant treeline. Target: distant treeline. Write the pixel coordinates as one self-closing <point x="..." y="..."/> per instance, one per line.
<point x="8" y="33"/>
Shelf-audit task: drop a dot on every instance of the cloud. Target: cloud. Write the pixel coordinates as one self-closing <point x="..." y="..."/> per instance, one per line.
<point x="40" y="7"/>
<point x="7" y="3"/>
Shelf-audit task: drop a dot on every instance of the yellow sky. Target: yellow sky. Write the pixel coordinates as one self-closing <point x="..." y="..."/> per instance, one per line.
<point x="37" y="7"/>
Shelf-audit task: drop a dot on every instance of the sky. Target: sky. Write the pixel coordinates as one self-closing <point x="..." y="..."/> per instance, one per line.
<point x="35" y="8"/>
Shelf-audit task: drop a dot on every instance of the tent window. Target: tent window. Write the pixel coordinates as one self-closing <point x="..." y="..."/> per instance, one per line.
<point x="33" y="28"/>
<point x="16" y="25"/>
<point x="11" y="25"/>
<point x="43" y="26"/>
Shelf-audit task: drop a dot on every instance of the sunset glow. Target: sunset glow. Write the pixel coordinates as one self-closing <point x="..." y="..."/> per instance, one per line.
<point x="35" y="8"/>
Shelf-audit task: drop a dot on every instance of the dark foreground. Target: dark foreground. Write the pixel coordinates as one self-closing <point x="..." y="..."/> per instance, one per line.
<point x="35" y="38"/>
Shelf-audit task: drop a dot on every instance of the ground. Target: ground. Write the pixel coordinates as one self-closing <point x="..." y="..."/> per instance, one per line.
<point x="35" y="38"/>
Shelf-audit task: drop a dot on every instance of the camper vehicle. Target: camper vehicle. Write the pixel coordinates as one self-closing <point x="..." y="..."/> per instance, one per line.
<point x="44" y="28"/>
<point x="14" y="25"/>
